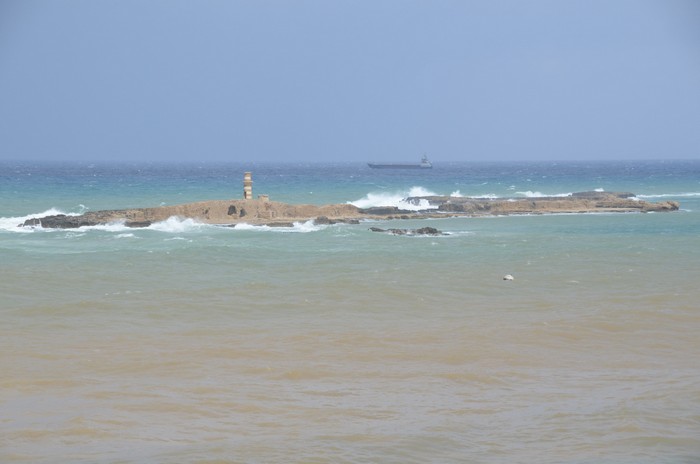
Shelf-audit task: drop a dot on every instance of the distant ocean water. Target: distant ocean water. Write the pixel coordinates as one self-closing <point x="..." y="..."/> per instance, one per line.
<point x="184" y="342"/>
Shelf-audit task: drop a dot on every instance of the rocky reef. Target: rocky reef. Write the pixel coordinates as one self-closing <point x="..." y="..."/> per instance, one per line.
<point x="582" y="202"/>
<point x="224" y="212"/>
<point x="422" y="231"/>
<point x="263" y="211"/>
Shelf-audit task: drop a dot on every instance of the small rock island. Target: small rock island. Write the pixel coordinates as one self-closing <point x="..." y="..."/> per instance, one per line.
<point x="263" y="211"/>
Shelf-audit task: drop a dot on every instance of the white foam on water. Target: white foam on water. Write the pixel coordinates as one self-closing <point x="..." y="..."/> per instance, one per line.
<point x="305" y="227"/>
<point x="176" y="224"/>
<point x="397" y="199"/>
<point x="378" y="199"/>
<point x="12" y="224"/>
<point x="172" y="225"/>
<point x="117" y="226"/>
<point x="246" y="226"/>
<point x="488" y="196"/>
<point x="297" y="227"/>
<point x="531" y="194"/>
<point x="671" y="195"/>
<point x="527" y="194"/>
<point x="420" y="192"/>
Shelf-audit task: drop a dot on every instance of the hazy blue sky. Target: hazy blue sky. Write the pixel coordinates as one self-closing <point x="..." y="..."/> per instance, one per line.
<point x="312" y="80"/>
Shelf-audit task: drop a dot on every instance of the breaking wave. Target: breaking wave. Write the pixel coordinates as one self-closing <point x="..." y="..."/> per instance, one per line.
<point x="297" y="227"/>
<point x="171" y="225"/>
<point x="397" y="199"/>
<point x="176" y="224"/>
<point x="458" y="194"/>
<point x="11" y="224"/>
<point x="531" y="194"/>
<point x="671" y="195"/>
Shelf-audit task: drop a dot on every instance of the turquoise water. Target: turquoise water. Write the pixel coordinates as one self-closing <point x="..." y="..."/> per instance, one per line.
<point x="28" y="187"/>
<point x="184" y="342"/>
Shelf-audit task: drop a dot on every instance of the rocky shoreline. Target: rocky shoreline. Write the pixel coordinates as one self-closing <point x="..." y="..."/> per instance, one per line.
<point x="262" y="211"/>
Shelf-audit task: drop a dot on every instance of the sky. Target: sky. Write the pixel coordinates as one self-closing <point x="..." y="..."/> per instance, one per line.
<point x="349" y="80"/>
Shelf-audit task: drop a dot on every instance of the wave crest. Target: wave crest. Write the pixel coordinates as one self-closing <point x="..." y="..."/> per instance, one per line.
<point x="671" y="195"/>
<point x="531" y="194"/>
<point x="297" y="227"/>
<point x="397" y="199"/>
<point x="12" y="224"/>
<point x="175" y="224"/>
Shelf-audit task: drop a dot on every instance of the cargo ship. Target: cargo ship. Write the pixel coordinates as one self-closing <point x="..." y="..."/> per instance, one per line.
<point x="424" y="164"/>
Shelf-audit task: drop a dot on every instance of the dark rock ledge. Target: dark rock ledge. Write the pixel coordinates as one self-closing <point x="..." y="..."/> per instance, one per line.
<point x="422" y="231"/>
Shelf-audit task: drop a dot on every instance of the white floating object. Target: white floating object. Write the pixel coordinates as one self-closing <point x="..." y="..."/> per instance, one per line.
<point x="508" y="277"/>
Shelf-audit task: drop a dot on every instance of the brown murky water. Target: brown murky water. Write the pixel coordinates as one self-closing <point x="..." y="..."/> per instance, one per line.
<point x="343" y="346"/>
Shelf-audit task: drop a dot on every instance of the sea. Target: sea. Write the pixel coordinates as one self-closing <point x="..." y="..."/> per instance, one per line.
<point x="190" y="343"/>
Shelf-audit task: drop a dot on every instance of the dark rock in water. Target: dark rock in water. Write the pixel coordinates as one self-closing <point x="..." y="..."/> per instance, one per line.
<point x="422" y="231"/>
<point x="467" y="206"/>
<point x="323" y="220"/>
<point x="31" y="222"/>
<point x="326" y="221"/>
<point x="381" y="210"/>
<point x="61" y="221"/>
<point x="138" y="224"/>
<point x="428" y="231"/>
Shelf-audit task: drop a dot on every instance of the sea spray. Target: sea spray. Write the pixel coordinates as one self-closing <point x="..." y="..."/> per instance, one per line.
<point x="176" y="224"/>
<point x="531" y="194"/>
<point x="296" y="227"/>
<point x="14" y="224"/>
<point x="397" y="199"/>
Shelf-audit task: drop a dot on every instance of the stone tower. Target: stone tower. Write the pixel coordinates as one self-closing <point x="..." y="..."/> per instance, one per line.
<point x="248" y="186"/>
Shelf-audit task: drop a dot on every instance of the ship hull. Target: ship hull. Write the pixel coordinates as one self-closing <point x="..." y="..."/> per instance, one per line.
<point x="398" y="166"/>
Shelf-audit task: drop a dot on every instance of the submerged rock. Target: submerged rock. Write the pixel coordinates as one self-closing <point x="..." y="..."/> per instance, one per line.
<point x="381" y="210"/>
<point x="422" y="231"/>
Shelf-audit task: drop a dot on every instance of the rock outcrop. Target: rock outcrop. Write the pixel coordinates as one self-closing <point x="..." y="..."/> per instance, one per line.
<point x="422" y="231"/>
<point x="264" y="211"/>
<point x="582" y="202"/>
<point x="211" y="212"/>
